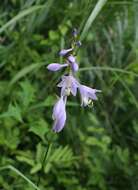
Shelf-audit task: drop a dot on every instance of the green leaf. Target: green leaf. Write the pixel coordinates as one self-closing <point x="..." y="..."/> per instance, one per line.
<point x="61" y="157"/>
<point x="27" y="94"/>
<point x="29" y="161"/>
<point x="13" y="111"/>
<point x="9" y="135"/>
<point x="39" y="128"/>
<point x="53" y="35"/>
<point x="36" y="168"/>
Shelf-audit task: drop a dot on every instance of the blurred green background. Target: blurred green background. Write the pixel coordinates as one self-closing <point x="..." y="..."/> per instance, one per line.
<point x="98" y="148"/>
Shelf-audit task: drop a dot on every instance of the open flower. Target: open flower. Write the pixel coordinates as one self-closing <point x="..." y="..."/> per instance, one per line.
<point x="59" y="115"/>
<point x="73" y="63"/>
<point x="68" y="85"/>
<point x="56" y="66"/>
<point x="87" y="94"/>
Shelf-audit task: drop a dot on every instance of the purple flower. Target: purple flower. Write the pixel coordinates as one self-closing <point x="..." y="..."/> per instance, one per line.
<point x="59" y="115"/>
<point x="74" y="67"/>
<point x="56" y="66"/>
<point x="73" y="64"/>
<point x="71" y="59"/>
<point x="68" y="85"/>
<point x="64" y="52"/>
<point x="87" y="94"/>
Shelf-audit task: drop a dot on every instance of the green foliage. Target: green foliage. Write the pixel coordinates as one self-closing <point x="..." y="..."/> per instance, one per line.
<point x="97" y="150"/>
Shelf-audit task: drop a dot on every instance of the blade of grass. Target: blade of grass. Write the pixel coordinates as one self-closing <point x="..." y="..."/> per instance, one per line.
<point x="112" y="69"/>
<point x="25" y="71"/>
<point x="136" y="24"/>
<point x="123" y="3"/>
<point x="35" y="66"/>
<point x="36" y="20"/>
<point x="92" y="17"/>
<point x="20" y="15"/>
<point x="20" y="174"/>
<point x="127" y="88"/>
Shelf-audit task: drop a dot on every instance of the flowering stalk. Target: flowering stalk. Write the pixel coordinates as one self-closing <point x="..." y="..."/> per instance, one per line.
<point x="69" y="84"/>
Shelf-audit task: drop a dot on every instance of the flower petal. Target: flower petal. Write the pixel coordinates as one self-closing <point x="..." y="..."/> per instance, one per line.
<point x="63" y="52"/>
<point x="56" y="66"/>
<point x="59" y="115"/>
<point x="67" y="85"/>
<point x="74" y="67"/>
<point x="74" y="86"/>
<point x="71" y="59"/>
<point x="59" y="106"/>
<point x="87" y="94"/>
<point x="92" y="94"/>
<point x="59" y="123"/>
<point x="74" y="89"/>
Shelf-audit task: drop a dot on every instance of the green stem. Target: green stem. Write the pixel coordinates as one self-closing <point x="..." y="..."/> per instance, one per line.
<point x="43" y="162"/>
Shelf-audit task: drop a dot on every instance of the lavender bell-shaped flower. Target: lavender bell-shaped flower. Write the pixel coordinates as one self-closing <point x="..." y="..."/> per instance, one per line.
<point x="87" y="94"/>
<point x="59" y="114"/>
<point x="73" y="64"/>
<point x="56" y="66"/>
<point x="68" y="85"/>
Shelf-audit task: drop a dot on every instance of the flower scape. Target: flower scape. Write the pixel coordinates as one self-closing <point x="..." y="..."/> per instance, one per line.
<point x="69" y="84"/>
